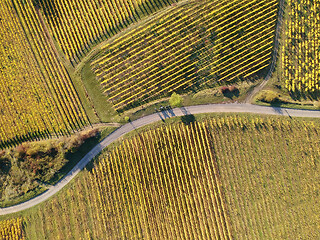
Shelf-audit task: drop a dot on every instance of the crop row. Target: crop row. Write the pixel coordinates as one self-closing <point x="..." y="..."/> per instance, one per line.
<point x="161" y="184"/>
<point x="301" y="50"/>
<point x="76" y="25"/>
<point x="37" y="96"/>
<point x="202" y="43"/>
<point x="11" y="229"/>
<point x="225" y="177"/>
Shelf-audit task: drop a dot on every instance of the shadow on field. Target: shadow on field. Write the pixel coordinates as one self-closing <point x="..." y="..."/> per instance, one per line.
<point x="187" y="119"/>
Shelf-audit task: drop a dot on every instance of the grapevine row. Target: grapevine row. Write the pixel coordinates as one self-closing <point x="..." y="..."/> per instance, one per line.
<point x="201" y="46"/>
<point x="77" y="25"/>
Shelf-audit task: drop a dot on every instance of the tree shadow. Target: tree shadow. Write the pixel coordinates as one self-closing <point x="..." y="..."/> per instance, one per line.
<point x="5" y="166"/>
<point x="231" y="94"/>
<point x="188" y="119"/>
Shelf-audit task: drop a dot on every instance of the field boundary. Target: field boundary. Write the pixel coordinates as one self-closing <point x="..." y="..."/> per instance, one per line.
<point x="131" y="126"/>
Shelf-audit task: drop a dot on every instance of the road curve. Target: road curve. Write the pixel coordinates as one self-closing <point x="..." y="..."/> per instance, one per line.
<point x="211" y="108"/>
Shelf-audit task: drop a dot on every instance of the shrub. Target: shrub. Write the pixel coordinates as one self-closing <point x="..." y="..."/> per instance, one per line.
<point x="268" y="97"/>
<point x="89" y="134"/>
<point x="233" y="88"/>
<point x="317" y="105"/>
<point x="21" y="150"/>
<point x="127" y="119"/>
<point x="224" y="89"/>
<point x="175" y="100"/>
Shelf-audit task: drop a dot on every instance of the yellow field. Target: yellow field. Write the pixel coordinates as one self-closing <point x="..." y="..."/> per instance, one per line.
<point x="225" y="177"/>
<point x="195" y="44"/>
<point x="37" y="96"/>
<point x="301" y="51"/>
<point x="11" y="229"/>
<point x="161" y="184"/>
<point x="77" y="24"/>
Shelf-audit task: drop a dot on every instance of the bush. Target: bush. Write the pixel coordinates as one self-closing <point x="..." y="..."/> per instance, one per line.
<point x="268" y="97"/>
<point x="317" y="105"/>
<point x="233" y="88"/>
<point x="224" y="89"/>
<point x="21" y="150"/>
<point x="175" y="100"/>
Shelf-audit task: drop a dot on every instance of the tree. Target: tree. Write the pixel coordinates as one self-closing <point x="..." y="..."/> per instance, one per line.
<point x="127" y="119"/>
<point x="175" y="100"/>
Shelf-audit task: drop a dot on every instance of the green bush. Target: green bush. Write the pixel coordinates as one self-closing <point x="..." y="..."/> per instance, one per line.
<point x="317" y="105"/>
<point x="268" y="97"/>
<point x="175" y="100"/>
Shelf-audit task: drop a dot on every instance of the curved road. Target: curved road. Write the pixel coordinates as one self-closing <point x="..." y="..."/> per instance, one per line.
<point x="211" y="108"/>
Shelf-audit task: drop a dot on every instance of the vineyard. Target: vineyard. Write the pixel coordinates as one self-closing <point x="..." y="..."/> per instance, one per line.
<point x="11" y="229"/>
<point x="77" y="25"/>
<point x="301" y="51"/>
<point x="223" y="177"/>
<point x="37" y="96"/>
<point x="195" y="44"/>
<point x="161" y="184"/>
<point x="211" y="176"/>
<point x="270" y="174"/>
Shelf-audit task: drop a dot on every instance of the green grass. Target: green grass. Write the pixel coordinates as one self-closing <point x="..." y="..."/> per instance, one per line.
<point x="101" y="104"/>
<point x="276" y="98"/>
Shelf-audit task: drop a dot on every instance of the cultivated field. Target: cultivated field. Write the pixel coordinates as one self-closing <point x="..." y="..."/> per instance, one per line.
<point x="77" y="25"/>
<point x="11" y="229"/>
<point x="270" y="172"/>
<point x="160" y="184"/>
<point x="217" y="176"/>
<point x="301" y="51"/>
<point x="37" y="98"/>
<point x="223" y="177"/>
<point x="193" y="44"/>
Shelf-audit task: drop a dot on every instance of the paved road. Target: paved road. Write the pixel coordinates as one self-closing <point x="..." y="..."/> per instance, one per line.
<point x="236" y="108"/>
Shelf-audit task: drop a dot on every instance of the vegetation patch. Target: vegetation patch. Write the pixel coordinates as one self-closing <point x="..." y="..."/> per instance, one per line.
<point x="268" y="96"/>
<point x="300" y="66"/>
<point x="37" y="99"/>
<point x="32" y="167"/>
<point x="12" y="229"/>
<point x="92" y="22"/>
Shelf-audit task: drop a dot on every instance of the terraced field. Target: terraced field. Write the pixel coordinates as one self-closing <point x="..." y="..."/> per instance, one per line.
<point x="193" y="44"/>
